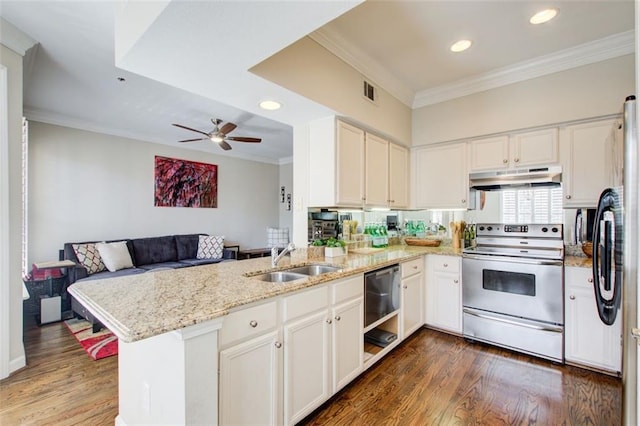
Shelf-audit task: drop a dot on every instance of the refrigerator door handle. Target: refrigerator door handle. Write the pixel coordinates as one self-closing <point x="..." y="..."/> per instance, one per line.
<point x="606" y="256"/>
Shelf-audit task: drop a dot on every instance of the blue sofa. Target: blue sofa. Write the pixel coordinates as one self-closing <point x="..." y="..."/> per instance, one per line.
<point x="147" y="254"/>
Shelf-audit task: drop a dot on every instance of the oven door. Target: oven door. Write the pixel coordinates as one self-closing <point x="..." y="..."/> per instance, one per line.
<point x="525" y="288"/>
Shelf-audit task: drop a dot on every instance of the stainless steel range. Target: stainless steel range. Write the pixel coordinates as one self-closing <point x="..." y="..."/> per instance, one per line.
<point x="512" y="288"/>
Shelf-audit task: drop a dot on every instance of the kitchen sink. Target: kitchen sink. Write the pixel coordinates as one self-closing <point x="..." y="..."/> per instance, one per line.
<point x="312" y="270"/>
<point x="280" y="276"/>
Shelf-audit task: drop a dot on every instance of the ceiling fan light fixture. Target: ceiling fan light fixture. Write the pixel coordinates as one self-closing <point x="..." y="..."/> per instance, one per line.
<point x="543" y="16"/>
<point x="216" y="138"/>
<point x="460" y="46"/>
<point x="270" y="105"/>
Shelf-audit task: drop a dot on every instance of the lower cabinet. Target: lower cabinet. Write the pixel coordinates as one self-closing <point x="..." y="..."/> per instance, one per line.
<point x="412" y="297"/>
<point x="443" y="293"/>
<point x="282" y="359"/>
<point x="250" y="377"/>
<point x="588" y="341"/>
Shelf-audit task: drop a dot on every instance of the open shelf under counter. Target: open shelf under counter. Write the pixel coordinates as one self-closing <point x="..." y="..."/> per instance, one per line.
<point x="373" y="352"/>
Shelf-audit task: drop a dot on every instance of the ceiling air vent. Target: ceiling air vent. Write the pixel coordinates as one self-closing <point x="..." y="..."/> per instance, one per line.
<point x="369" y="91"/>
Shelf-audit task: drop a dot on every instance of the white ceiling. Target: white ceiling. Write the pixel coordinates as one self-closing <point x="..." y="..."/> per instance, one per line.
<point x="207" y="47"/>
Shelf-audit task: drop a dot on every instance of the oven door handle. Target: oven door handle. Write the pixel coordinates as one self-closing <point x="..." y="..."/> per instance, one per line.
<point x="519" y="324"/>
<point x="513" y="260"/>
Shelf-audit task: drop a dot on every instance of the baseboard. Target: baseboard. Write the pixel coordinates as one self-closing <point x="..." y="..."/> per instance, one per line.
<point x="17" y="363"/>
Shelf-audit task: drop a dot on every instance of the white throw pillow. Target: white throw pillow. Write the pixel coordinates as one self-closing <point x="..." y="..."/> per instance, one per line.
<point x="277" y="237"/>
<point x="210" y="247"/>
<point x="115" y="255"/>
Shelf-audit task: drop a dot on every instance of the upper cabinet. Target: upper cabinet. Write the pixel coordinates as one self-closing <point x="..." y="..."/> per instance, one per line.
<point x="586" y="162"/>
<point x="525" y="149"/>
<point x="441" y="176"/>
<point x="349" y="167"/>
<point x="398" y="176"/>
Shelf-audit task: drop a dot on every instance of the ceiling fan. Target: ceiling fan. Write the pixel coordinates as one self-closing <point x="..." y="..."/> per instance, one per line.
<point x="219" y="134"/>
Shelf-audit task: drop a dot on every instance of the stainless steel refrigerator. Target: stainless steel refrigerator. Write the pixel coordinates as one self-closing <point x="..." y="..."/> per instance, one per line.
<point x="615" y="256"/>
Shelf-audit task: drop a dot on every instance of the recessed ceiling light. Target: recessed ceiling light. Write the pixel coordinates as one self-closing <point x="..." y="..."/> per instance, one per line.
<point x="270" y="105"/>
<point x="543" y="16"/>
<point x="460" y="45"/>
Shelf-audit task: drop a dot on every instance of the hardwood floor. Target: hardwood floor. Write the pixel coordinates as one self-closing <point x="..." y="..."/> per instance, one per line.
<point x="431" y="379"/>
<point x="437" y="379"/>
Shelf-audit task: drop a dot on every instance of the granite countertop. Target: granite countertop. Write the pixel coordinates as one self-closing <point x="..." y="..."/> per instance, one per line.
<point x="145" y="305"/>
<point x="578" y="261"/>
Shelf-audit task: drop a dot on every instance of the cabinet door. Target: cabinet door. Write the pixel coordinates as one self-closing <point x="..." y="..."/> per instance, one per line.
<point x="412" y="304"/>
<point x="584" y="153"/>
<point x="376" y="168"/>
<point x="250" y="382"/>
<point x="306" y="365"/>
<point x="398" y="176"/>
<point x="441" y="177"/>
<point x="489" y="153"/>
<point x="348" y="346"/>
<point x="587" y="340"/>
<point x="349" y="165"/>
<point x="539" y="148"/>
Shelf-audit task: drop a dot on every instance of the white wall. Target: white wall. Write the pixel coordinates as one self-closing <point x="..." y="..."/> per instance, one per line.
<point x="90" y="186"/>
<point x="286" y="180"/>
<point x="588" y="91"/>
<point x="307" y="68"/>
<point x="15" y="352"/>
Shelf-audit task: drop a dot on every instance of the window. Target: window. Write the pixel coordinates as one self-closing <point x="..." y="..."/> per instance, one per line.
<point x="542" y="205"/>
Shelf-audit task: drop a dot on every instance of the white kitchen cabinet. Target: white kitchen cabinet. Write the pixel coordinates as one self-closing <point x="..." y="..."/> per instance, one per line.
<point x="586" y="168"/>
<point x="349" y="167"/>
<point x="588" y="341"/>
<point x="250" y="374"/>
<point x="376" y="171"/>
<point x="398" y="176"/>
<point x="323" y="344"/>
<point x="526" y="149"/>
<point x="336" y="163"/>
<point x="443" y="295"/>
<point x="347" y="344"/>
<point x="412" y="297"/>
<point x="441" y="176"/>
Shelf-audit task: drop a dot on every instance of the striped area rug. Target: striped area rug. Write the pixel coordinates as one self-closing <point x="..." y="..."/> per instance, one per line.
<point x="97" y="345"/>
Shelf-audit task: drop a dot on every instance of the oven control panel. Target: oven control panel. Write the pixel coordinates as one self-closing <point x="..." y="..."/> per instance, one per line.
<point x="518" y="230"/>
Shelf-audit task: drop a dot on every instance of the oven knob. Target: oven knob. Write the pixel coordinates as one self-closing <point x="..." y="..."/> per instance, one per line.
<point x="482" y="228"/>
<point x="554" y="229"/>
<point x="545" y="229"/>
<point x="489" y="228"/>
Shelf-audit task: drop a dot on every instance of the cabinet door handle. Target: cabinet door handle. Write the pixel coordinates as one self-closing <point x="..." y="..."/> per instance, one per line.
<point x="404" y="286"/>
<point x="505" y="161"/>
<point x="572" y="297"/>
<point x="278" y="345"/>
<point x="590" y="280"/>
<point x="464" y="201"/>
<point x="329" y="321"/>
<point x="517" y="160"/>
<point x="568" y="197"/>
<point x="338" y="318"/>
<point x="445" y="265"/>
<point x="253" y="323"/>
<point x="455" y="281"/>
<point x="415" y="266"/>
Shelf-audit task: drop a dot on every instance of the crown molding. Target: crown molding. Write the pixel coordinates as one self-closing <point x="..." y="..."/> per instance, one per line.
<point x="80" y="124"/>
<point x="599" y="50"/>
<point x="372" y="70"/>
<point x="13" y="38"/>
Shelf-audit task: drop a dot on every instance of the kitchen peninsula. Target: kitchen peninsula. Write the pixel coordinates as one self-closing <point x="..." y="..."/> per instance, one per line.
<point x="168" y="325"/>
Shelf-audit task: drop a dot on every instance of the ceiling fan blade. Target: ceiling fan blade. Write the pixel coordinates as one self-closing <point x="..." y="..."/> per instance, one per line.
<point x="227" y="128"/>
<point x="193" y="140"/>
<point x="224" y="145"/>
<point x="189" y="128"/>
<point x="243" y="139"/>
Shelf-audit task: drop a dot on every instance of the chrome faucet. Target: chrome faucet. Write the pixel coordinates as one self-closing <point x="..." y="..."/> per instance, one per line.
<point x="275" y="257"/>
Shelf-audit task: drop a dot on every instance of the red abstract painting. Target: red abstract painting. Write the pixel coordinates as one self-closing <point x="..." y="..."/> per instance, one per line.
<point x="182" y="183"/>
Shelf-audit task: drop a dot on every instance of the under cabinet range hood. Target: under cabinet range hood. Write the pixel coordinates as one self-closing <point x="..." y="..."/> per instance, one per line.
<point x="521" y="178"/>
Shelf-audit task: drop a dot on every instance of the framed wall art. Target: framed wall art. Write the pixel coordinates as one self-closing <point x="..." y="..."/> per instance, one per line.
<point x="182" y="183"/>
